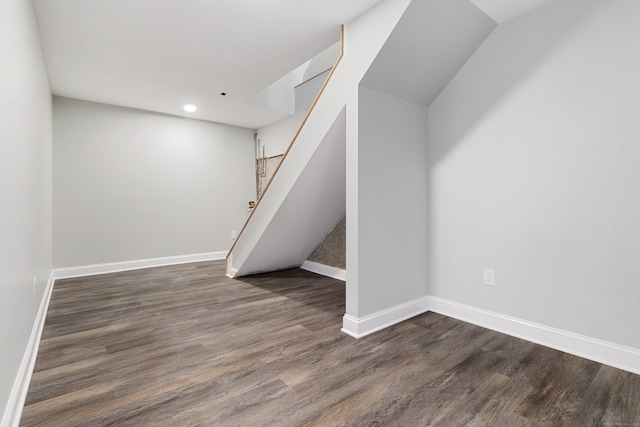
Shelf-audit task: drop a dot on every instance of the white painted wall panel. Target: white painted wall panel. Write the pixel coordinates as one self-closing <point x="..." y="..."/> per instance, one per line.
<point x="25" y="184"/>
<point x="533" y="171"/>
<point x="276" y="219"/>
<point x="130" y="184"/>
<point x="277" y="136"/>
<point x="392" y="202"/>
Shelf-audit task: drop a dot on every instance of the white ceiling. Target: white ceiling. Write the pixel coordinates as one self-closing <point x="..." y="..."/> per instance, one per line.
<point x="158" y="55"/>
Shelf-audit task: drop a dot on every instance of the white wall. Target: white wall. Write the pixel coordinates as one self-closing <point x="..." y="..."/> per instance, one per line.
<point x="501" y="10"/>
<point x="281" y="96"/>
<point x="322" y="61"/>
<point x="430" y="44"/>
<point x="533" y="171"/>
<point x="328" y="122"/>
<point x="392" y="201"/>
<point x="307" y="92"/>
<point x="277" y="136"/>
<point x="25" y="184"/>
<point x="130" y="184"/>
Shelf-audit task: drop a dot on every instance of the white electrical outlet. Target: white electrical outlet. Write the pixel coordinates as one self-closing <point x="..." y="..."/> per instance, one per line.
<point x="489" y="277"/>
<point x="35" y="284"/>
<point x="234" y="234"/>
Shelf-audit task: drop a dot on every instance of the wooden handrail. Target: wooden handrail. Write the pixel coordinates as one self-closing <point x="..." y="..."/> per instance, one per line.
<point x="293" y="140"/>
<point x="311" y="78"/>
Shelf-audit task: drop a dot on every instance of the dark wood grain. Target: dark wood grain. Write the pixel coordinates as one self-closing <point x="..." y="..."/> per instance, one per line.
<point x="186" y="346"/>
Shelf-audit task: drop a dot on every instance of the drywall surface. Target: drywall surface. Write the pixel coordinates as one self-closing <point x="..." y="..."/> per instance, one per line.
<point x="501" y="10"/>
<point x="25" y="184"/>
<point x="429" y="45"/>
<point x="314" y="203"/>
<point x="289" y="211"/>
<point x="130" y="184"/>
<point x="281" y="95"/>
<point x="276" y="137"/>
<point x="392" y="201"/>
<point x="322" y="61"/>
<point x="332" y="250"/>
<point x="533" y="172"/>
<point x="306" y="93"/>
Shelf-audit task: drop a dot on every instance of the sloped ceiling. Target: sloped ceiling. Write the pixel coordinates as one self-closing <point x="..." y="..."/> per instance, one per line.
<point x="429" y="45"/>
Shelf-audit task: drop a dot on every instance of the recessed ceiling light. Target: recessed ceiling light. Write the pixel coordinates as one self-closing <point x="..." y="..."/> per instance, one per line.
<point x="190" y="108"/>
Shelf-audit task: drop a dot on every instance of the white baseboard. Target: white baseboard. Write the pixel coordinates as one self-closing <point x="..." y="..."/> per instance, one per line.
<point x="231" y="272"/>
<point x="15" y="404"/>
<point x="325" y="270"/>
<point x="13" y="410"/>
<point x="113" y="267"/>
<point x="604" y="352"/>
<point x="618" y="356"/>
<point x="363" y="326"/>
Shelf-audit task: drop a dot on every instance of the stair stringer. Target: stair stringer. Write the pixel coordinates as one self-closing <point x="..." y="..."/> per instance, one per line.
<point x="306" y="197"/>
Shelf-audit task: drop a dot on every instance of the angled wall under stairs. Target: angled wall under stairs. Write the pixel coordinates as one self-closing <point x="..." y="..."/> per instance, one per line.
<point x="307" y="196"/>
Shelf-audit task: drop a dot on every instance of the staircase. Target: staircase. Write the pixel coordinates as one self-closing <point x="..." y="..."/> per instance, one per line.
<point x="307" y="195"/>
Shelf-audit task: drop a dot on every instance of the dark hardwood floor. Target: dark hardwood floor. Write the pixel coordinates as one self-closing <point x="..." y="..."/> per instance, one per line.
<point x="186" y="346"/>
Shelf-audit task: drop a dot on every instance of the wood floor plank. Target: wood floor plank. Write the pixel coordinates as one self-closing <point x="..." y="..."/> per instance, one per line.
<point x="185" y="345"/>
<point x="611" y="400"/>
